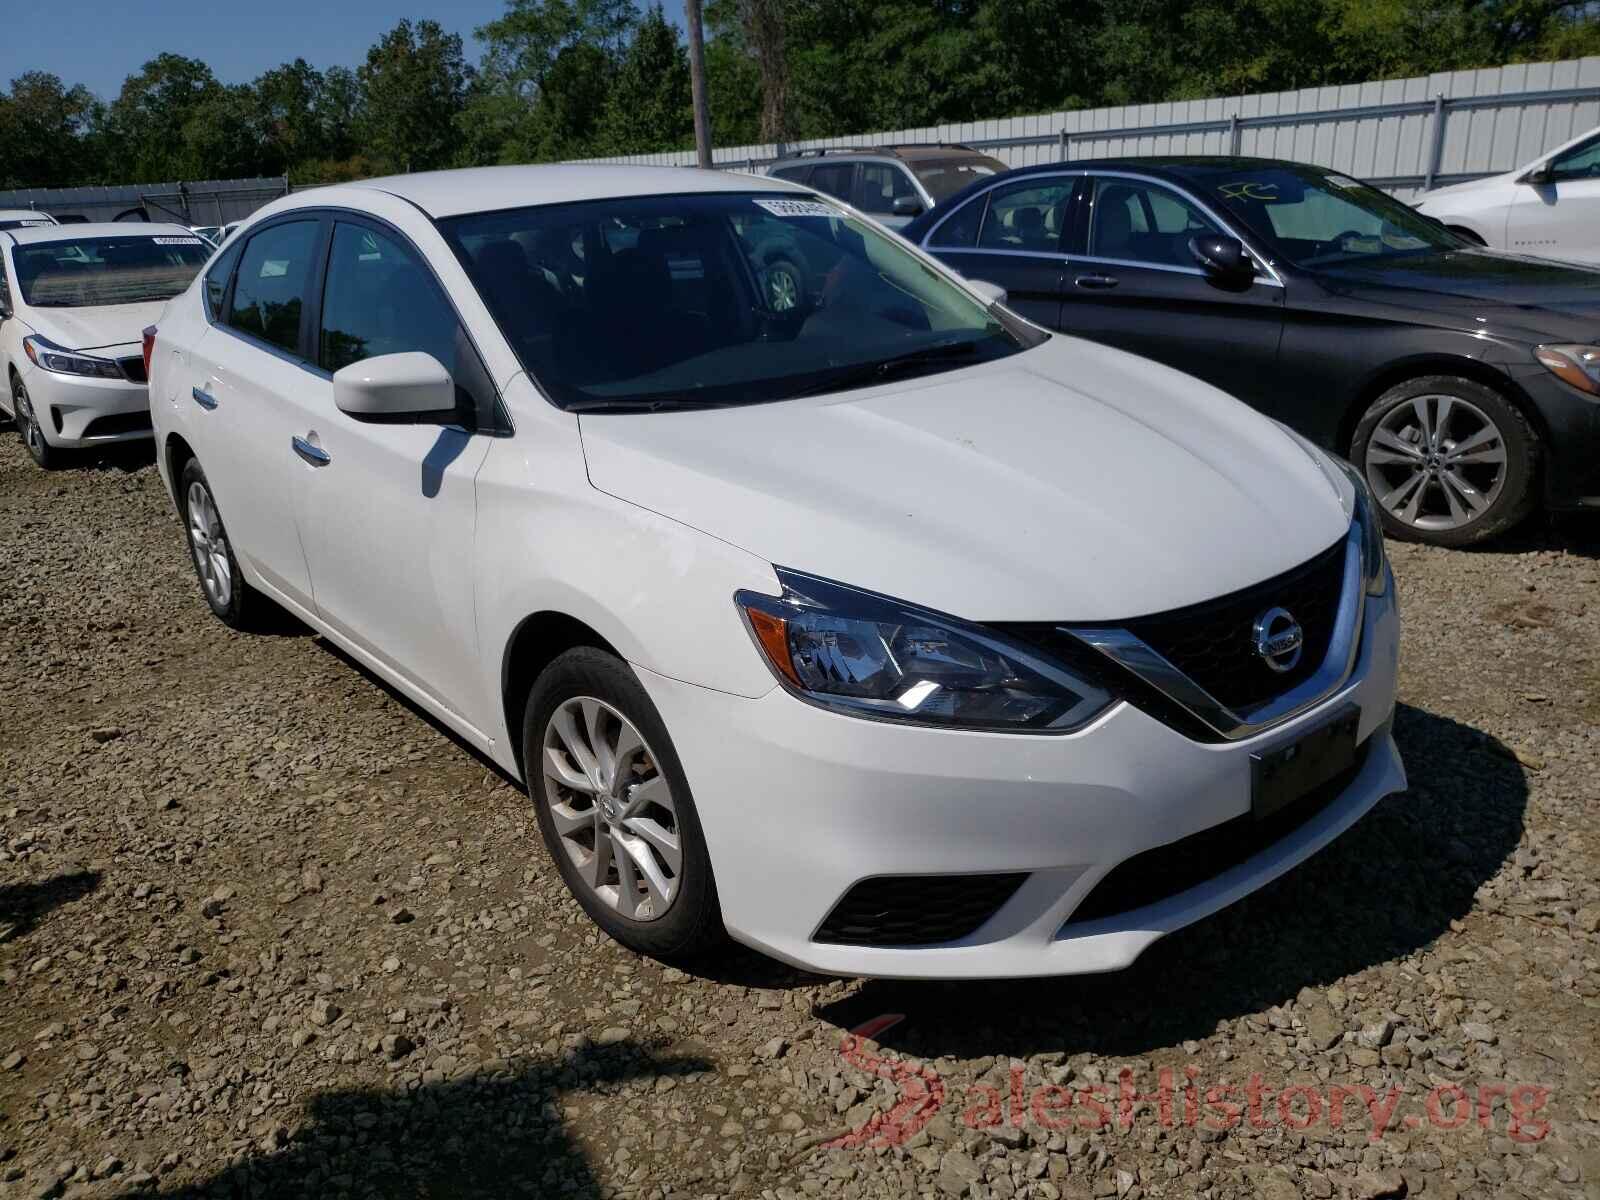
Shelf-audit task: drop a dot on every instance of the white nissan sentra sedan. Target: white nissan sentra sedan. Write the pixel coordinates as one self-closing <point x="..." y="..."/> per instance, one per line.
<point x="856" y="616"/>
<point x="74" y="300"/>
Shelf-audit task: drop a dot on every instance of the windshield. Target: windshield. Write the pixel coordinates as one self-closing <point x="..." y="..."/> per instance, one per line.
<point x="946" y="176"/>
<point x="107" y="270"/>
<point x="1316" y="219"/>
<point x="716" y="299"/>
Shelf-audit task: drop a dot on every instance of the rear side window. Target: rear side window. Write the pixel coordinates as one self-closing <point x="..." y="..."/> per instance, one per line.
<point x="217" y="280"/>
<point x="379" y="299"/>
<point x="1028" y="216"/>
<point x="834" y="178"/>
<point x="269" y="293"/>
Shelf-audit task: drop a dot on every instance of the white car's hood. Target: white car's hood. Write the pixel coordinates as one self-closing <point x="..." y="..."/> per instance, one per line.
<point x="97" y="327"/>
<point x="1069" y="482"/>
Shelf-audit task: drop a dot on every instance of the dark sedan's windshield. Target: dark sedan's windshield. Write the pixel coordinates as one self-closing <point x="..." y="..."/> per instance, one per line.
<point x="83" y="272"/>
<point x="1316" y="219"/>
<point x="716" y="299"/>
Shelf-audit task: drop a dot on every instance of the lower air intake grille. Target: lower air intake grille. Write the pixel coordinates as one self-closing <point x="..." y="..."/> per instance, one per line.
<point x="134" y="422"/>
<point x="916" y="910"/>
<point x="133" y="368"/>
<point x="1166" y="871"/>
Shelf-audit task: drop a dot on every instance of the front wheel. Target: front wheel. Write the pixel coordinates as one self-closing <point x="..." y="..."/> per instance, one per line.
<point x="1451" y="462"/>
<point x="614" y="808"/>
<point x="43" y="453"/>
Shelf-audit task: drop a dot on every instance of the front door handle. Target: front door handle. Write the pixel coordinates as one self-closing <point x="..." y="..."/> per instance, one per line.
<point x="315" y="455"/>
<point x="1099" y="282"/>
<point x="203" y="398"/>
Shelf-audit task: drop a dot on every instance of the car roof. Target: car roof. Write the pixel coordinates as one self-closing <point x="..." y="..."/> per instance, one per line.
<point x="77" y="232"/>
<point x="489" y="189"/>
<point x="24" y="214"/>
<point x="910" y="152"/>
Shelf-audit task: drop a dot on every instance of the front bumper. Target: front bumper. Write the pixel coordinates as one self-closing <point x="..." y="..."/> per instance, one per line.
<point x="798" y="804"/>
<point x="1571" y="446"/>
<point x="78" y="411"/>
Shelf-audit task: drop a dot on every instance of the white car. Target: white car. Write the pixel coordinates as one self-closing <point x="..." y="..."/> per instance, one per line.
<point x="23" y="218"/>
<point x="74" y="302"/>
<point x="1549" y="207"/>
<point x="886" y="631"/>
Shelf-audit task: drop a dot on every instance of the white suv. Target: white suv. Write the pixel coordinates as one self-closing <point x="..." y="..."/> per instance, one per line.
<point x="884" y="630"/>
<point x="74" y="302"/>
<point x="1549" y="207"/>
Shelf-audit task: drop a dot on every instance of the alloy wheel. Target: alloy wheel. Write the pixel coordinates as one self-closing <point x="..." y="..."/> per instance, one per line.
<point x="783" y="289"/>
<point x="612" y="808"/>
<point x="1436" y="462"/>
<point x="210" y="546"/>
<point x="27" y="423"/>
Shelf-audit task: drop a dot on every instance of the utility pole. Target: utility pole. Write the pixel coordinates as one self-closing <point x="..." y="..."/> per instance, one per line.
<point x="697" y="82"/>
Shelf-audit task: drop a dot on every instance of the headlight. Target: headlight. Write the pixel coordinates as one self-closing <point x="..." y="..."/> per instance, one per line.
<point x="1373" y="561"/>
<point x="45" y="353"/>
<point x="1577" y="365"/>
<point x="869" y="656"/>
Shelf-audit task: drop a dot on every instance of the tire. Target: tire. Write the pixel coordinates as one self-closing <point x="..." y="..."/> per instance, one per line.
<point x="1405" y="445"/>
<point x="29" y="430"/>
<point x="588" y="695"/>
<point x="784" y="286"/>
<point x="233" y="601"/>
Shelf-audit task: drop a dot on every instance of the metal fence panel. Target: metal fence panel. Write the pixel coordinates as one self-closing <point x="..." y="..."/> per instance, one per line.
<point x="207" y="202"/>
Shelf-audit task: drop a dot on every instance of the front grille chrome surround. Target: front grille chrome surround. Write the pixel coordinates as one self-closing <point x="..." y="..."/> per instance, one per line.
<point x="1132" y="653"/>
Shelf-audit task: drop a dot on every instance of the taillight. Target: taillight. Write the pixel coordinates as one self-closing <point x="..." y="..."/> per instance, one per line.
<point x="149" y="347"/>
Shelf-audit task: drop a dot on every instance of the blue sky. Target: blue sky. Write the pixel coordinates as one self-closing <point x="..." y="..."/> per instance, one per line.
<point x="100" y="42"/>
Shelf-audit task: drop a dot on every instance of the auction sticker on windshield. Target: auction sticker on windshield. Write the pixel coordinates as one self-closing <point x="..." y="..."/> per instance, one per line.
<point x="177" y="241"/>
<point x="799" y="208"/>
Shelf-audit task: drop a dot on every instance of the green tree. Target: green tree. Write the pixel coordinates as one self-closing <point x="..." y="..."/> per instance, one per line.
<point x="145" y="123"/>
<point x="648" y="105"/>
<point x="46" y="132"/>
<point x="413" y="85"/>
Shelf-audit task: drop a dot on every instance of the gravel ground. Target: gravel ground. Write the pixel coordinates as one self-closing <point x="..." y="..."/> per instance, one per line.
<point x="265" y="930"/>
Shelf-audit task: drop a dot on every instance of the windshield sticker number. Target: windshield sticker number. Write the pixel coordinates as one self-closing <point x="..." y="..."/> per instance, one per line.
<point x="799" y="208"/>
<point x="1250" y="189"/>
<point x="178" y="241"/>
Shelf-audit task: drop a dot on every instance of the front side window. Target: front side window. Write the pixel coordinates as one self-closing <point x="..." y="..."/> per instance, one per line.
<point x="1027" y="216"/>
<point x="216" y="285"/>
<point x="1316" y="219"/>
<point x="717" y="299"/>
<point x="960" y="229"/>
<point x="1143" y="222"/>
<point x="792" y="174"/>
<point x="86" y="272"/>
<point x="944" y="177"/>
<point x="1581" y="162"/>
<point x="269" y="292"/>
<point x="379" y="299"/>
<point x="834" y="178"/>
<point x="880" y="185"/>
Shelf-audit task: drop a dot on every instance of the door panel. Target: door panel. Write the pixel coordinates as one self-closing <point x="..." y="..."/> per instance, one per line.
<point x="1032" y="282"/>
<point x="1137" y="289"/>
<point x="387" y="512"/>
<point x="1556" y="220"/>
<point x="242" y="377"/>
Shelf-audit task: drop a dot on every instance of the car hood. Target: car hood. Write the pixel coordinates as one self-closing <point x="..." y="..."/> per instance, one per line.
<point x="1540" y="297"/>
<point x="97" y="327"/>
<point x="1068" y="482"/>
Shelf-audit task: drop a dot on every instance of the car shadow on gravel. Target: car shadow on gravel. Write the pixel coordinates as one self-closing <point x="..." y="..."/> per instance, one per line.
<point x="491" y="1135"/>
<point x="23" y="905"/>
<point x="1575" y="533"/>
<point x="1389" y="886"/>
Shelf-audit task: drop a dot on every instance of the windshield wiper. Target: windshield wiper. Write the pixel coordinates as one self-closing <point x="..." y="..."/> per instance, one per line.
<point x="638" y="404"/>
<point x="885" y="369"/>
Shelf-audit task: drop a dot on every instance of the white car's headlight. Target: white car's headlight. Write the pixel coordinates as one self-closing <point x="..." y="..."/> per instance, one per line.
<point x="1374" y="563"/>
<point x="869" y="656"/>
<point x="44" y="353"/>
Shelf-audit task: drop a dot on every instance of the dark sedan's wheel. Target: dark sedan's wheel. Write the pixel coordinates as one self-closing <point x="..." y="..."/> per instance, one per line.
<point x="231" y="599"/>
<point x="46" y="455"/>
<point x="614" y="807"/>
<point x="1451" y="462"/>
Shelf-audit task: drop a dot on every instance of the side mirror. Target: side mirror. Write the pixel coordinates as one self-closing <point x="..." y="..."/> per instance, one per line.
<point x="1222" y="258"/>
<point x="992" y="293"/>
<point x="396" y="387"/>
<point x="1542" y="174"/>
<point x="907" y="206"/>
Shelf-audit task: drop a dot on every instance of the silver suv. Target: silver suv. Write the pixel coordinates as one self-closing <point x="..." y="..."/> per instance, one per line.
<point x="891" y="183"/>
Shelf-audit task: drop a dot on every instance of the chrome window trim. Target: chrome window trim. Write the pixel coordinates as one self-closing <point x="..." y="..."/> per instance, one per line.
<point x="1263" y="263"/>
<point x="1058" y="258"/>
<point x="1129" y="651"/>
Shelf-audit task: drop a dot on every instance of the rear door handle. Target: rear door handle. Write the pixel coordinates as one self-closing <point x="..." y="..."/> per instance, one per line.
<point x="315" y="455"/>
<point x="203" y="398"/>
<point x="1097" y="281"/>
